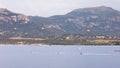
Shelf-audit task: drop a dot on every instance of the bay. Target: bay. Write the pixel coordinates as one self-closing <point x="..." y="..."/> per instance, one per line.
<point x="59" y="56"/>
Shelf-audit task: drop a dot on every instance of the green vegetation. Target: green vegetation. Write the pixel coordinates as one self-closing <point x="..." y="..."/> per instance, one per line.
<point x="66" y="41"/>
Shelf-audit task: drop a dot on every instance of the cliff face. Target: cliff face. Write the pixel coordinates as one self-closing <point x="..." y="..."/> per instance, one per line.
<point x="8" y="16"/>
<point x="88" y="21"/>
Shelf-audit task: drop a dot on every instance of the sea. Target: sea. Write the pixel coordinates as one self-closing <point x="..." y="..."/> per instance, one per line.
<point x="59" y="56"/>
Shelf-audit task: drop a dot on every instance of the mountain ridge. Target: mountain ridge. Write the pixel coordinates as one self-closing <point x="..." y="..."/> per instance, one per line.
<point x="86" y="21"/>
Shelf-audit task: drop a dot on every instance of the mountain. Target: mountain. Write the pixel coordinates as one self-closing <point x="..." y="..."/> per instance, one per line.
<point x="84" y="21"/>
<point x="92" y="21"/>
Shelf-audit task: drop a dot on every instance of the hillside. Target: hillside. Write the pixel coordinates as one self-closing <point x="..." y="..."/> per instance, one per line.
<point x="84" y="21"/>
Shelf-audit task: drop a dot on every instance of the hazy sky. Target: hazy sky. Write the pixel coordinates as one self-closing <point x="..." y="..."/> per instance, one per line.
<point x="47" y="8"/>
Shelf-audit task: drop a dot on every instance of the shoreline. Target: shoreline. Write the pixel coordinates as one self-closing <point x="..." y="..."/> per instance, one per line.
<point x="92" y="42"/>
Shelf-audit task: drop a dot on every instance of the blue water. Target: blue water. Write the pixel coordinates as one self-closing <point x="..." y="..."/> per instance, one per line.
<point x="59" y="57"/>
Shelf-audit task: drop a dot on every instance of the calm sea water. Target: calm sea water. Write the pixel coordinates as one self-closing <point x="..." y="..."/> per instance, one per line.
<point x="59" y="57"/>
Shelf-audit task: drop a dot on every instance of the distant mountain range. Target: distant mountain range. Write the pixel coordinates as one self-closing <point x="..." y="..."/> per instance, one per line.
<point x="84" y="21"/>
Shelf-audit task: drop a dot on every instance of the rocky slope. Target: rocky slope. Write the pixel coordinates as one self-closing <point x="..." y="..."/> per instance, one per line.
<point x="92" y="21"/>
<point x="86" y="21"/>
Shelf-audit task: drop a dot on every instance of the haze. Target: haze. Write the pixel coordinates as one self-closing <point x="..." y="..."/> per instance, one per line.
<point x="48" y="8"/>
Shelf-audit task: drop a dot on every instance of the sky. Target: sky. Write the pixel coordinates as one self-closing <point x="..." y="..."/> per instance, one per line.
<point x="46" y="8"/>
